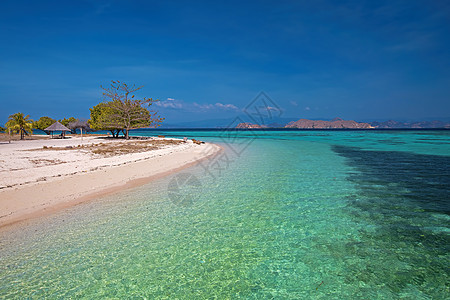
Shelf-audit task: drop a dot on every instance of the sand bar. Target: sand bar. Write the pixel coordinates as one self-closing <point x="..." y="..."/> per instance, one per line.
<point x="42" y="176"/>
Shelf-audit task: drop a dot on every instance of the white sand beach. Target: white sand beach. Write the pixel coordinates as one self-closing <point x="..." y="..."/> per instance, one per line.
<point x="44" y="175"/>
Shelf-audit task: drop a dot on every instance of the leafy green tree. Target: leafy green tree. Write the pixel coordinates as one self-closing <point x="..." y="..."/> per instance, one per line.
<point x="121" y="111"/>
<point x="18" y="123"/>
<point x="66" y="122"/>
<point x="101" y="116"/>
<point x="43" y="123"/>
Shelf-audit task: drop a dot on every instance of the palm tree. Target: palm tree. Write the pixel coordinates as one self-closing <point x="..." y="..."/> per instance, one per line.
<point x="20" y="123"/>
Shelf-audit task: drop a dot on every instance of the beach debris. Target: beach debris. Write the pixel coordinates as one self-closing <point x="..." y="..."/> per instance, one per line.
<point x="319" y="285"/>
<point x="161" y="136"/>
<point x="45" y="162"/>
<point x="197" y="142"/>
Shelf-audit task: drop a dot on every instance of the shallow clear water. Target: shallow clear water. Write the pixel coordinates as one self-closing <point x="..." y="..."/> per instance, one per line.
<point x="283" y="215"/>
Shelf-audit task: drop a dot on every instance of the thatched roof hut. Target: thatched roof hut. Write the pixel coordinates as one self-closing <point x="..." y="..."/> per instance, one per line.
<point x="57" y="127"/>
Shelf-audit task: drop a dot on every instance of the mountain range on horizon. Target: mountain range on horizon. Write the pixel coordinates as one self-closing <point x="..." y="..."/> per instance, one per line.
<point x="243" y="122"/>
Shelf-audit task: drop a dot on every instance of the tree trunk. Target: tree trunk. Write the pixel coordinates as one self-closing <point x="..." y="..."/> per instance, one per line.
<point x="115" y="133"/>
<point x="21" y="134"/>
<point x="127" y="137"/>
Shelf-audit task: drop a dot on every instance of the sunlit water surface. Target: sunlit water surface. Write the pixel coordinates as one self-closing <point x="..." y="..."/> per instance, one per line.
<point x="283" y="215"/>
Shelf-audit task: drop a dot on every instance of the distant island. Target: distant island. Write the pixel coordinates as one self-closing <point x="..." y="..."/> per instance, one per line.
<point x="422" y="124"/>
<point x="333" y="124"/>
<point x="249" y="126"/>
<point x="338" y="123"/>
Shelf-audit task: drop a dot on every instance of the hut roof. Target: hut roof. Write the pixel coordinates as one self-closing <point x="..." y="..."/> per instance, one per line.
<point x="57" y="127"/>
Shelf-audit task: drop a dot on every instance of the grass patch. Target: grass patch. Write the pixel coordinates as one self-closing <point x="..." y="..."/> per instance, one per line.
<point x="46" y="162"/>
<point x="119" y="147"/>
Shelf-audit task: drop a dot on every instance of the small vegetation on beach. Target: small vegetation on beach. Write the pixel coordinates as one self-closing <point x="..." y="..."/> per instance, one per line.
<point x="46" y="162"/>
<point x="116" y="148"/>
<point x="112" y="149"/>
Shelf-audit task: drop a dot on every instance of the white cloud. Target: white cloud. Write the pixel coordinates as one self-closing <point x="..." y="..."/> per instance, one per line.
<point x="218" y="105"/>
<point x="294" y="103"/>
<point x="203" y="106"/>
<point x="226" y="106"/>
<point x="170" y="104"/>
<point x="307" y="108"/>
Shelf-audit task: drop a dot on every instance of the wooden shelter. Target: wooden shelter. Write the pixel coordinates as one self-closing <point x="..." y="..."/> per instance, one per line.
<point x="58" y="127"/>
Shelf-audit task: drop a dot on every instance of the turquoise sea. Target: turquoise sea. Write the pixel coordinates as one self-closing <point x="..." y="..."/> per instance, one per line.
<point x="277" y="215"/>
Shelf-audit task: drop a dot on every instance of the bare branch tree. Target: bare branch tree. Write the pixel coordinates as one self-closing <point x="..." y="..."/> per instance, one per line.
<point x="79" y="124"/>
<point x="126" y="112"/>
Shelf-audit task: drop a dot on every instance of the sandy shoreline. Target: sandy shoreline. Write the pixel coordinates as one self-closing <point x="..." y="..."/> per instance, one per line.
<point x="36" y="181"/>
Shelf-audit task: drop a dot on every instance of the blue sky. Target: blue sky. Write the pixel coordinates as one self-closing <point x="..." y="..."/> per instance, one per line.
<point x="361" y="60"/>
